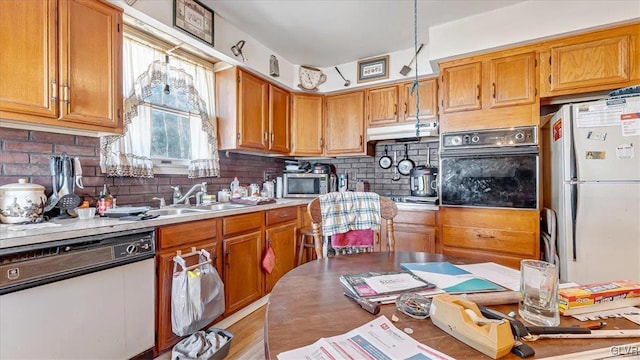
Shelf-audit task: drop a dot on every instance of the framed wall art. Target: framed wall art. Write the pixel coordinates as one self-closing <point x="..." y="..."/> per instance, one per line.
<point x="373" y="69"/>
<point x="194" y="18"/>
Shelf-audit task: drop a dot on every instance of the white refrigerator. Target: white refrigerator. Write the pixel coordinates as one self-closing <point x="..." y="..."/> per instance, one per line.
<point x="595" y="189"/>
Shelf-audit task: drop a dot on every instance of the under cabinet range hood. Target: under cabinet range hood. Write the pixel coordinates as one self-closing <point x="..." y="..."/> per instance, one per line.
<point x="405" y="131"/>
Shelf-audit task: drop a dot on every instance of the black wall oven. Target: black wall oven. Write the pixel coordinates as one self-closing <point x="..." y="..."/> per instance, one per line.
<point x="495" y="168"/>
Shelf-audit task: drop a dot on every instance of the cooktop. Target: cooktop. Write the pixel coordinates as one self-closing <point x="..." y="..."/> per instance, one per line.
<point x="433" y="200"/>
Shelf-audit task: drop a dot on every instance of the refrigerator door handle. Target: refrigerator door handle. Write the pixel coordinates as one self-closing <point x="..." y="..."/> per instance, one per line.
<point x="574" y="216"/>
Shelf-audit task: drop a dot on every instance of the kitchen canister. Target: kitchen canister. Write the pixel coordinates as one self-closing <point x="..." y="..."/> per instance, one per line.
<point x="278" y="187"/>
<point x="21" y="202"/>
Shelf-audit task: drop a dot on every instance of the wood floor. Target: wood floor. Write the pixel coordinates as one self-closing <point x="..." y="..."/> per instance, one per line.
<point x="248" y="337"/>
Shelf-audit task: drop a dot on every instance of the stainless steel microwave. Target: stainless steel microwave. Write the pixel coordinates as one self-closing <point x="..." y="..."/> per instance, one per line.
<point x="305" y="185"/>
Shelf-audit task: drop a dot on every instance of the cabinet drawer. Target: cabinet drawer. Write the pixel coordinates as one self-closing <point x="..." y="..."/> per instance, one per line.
<point x="416" y="217"/>
<point x="494" y="240"/>
<point x="185" y="233"/>
<point x="277" y="216"/>
<point x="242" y="223"/>
<point x="513" y="220"/>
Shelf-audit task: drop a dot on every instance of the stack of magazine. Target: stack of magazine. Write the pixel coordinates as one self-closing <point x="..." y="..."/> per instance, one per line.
<point x="385" y="287"/>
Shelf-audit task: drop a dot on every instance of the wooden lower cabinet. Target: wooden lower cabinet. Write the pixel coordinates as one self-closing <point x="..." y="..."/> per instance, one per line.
<point x="170" y="239"/>
<point x="498" y="235"/>
<point x="242" y="251"/>
<point x="283" y="241"/>
<point x="414" y="230"/>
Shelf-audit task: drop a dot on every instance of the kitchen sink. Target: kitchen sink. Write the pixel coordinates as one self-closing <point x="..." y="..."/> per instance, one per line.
<point x="173" y="211"/>
<point x="217" y="207"/>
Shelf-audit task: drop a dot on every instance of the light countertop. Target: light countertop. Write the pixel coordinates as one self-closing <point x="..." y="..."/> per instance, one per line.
<point x="59" y="229"/>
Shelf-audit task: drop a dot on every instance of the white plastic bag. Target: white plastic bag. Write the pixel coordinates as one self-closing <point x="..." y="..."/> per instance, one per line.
<point x="197" y="296"/>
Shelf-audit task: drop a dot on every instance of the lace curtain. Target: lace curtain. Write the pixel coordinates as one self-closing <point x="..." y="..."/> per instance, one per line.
<point x="144" y="67"/>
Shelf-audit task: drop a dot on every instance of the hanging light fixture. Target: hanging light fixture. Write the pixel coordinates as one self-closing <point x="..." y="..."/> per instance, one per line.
<point x="415" y="86"/>
<point x="166" y="84"/>
<point x="237" y="50"/>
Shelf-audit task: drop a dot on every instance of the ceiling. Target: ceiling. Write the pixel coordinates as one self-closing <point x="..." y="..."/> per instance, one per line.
<point x="331" y="32"/>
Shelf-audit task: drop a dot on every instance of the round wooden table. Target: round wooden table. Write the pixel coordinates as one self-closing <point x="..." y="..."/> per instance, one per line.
<point x="308" y="304"/>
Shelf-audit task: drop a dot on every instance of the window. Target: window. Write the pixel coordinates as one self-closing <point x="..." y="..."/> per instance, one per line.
<point x="170" y="124"/>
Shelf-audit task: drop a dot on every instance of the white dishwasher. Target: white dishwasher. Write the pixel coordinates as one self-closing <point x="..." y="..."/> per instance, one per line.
<point x="90" y="297"/>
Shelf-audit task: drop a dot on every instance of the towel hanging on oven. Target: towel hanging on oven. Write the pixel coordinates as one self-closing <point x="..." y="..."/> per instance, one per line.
<point x="197" y="294"/>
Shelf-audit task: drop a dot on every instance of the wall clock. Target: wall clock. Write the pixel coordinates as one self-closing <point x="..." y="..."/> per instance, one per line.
<point x="311" y="78"/>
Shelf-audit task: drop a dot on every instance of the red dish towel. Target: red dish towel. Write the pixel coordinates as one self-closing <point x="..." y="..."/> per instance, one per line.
<point x="353" y="238"/>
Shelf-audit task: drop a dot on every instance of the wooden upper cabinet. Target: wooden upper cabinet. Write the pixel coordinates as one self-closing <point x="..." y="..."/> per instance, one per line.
<point x="512" y="80"/>
<point x="601" y="60"/>
<point x="252" y="112"/>
<point x="461" y="89"/>
<point x="30" y="88"/>
<point x="307" y="125"/>
<point x="63" y="67"/>
<point x="428" y="107"/>
<point x="279" y="114"/>
<point x="344" y="119"/>
<point x="382" y="105"/>
<point x="90" y="62"/>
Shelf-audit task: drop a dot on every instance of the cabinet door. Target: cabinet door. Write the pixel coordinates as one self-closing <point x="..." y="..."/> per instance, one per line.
<point x="278" y="120"/>
<point x="461" y="87"/>
<point x="252" y="112"/>
<point x="512" y="80"/>
<point x="591" y="63"/>
<point x="382" y="106"/>
<point x="414" y="238"/>
<point x="90" y="63"/>
<point x="428" y="107"/>
<point x="345" y="124"/>
<point x="165" y="336"/>
<point x="242" y="271"/>
<point x="283" y="241"/>
<point x="307" y="125"/>
<point x="28" y="65"/>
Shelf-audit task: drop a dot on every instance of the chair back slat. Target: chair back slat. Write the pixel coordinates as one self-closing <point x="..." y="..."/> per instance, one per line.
<point x="388" y="210"/>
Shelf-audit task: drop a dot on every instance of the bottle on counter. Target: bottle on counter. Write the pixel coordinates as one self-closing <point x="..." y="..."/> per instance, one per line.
<point x="105" y="202"/>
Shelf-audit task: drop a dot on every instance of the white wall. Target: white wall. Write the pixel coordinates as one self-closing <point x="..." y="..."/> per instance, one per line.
<point x="159" y="14"/>
<point x="519" y="23"/>
<point x="525" y="22"/>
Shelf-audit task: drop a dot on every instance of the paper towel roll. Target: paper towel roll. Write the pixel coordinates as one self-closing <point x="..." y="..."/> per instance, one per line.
<point x="279" y="187"/>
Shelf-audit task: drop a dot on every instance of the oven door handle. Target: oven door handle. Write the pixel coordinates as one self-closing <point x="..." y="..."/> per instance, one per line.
<point x="483" y="152"/>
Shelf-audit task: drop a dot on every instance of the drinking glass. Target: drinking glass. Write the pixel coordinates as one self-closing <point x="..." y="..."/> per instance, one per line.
<point x="539" y="293"/>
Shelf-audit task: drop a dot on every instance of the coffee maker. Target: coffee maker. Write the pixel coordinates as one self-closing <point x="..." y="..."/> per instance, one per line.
<point x="423" y="181"/>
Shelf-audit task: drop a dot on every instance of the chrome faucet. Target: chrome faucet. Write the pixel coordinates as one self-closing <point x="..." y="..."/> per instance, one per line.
<point x="178" y="197"/>
<point x="162" y="202"/>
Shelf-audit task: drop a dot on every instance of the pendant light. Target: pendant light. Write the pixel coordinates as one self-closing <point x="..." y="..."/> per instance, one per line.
<point x="166" y="84"/>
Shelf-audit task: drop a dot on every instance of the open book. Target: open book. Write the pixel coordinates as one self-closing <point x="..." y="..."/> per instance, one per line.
<point x="451" y="278"/>
<point x="375" y="284"/>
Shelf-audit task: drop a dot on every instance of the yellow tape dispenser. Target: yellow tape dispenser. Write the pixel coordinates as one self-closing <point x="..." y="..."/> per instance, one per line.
<point x="462" y="319"/>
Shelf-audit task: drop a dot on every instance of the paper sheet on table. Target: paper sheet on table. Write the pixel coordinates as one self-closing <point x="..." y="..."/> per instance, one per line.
<point x="499" y="274"/>
<point x="377" y="339"/>
<point x="451" y="278"/>
<point x="393" y="282"/>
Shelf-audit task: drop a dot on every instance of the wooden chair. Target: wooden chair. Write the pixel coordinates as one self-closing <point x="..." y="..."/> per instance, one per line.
<point x="388" y="211"/>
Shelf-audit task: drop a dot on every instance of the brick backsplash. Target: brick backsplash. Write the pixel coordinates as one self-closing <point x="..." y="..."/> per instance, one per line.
<point x="25" y="154"/>
<point x="381" y="180"/>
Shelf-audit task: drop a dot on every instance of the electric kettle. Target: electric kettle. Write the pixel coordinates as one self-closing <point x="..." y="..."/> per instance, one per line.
<point x="423" y="181"/>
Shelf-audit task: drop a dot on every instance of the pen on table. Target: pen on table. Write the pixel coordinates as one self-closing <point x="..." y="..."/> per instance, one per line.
<point x="369" y="306"/>
<point x="592" y="325"/>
